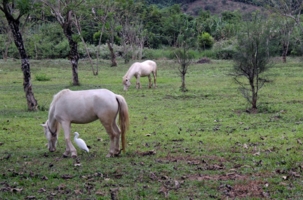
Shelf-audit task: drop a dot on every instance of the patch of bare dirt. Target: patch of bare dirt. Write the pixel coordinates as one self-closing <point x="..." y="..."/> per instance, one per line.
<point x="243" y="187"/>
<point x="191" y="160"/>
<point x="203" y="60"/>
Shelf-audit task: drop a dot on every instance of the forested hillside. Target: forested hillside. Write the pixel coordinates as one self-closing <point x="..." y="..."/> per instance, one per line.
<point x="219" y="6"/>
<point x="212" y="5"/>
<point x="133" y="29"/>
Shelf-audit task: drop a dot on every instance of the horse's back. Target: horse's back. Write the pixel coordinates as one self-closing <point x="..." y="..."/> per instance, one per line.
<point x="85" y="106"/>
<point x="146" y="67"/>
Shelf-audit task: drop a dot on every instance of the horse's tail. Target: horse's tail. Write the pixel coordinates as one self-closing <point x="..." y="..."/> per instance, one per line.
<point x="123" y="118"/>
<point x="156" y="69"/>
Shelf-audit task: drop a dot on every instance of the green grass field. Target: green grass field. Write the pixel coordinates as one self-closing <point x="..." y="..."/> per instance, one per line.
<point x="201" y="144"/>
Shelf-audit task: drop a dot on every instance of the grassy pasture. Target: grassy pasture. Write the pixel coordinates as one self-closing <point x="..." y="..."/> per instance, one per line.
<point x="195" y="145"/>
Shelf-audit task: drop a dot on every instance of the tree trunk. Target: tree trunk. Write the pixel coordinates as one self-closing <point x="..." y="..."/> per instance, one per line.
<point x="73" y="53"/>
<point x="284" y="52"/>
<point x="254" y="95"/>
<point x="183" y="87"/>
<point x="78" y="26"/>
<point x="113" y="56"/>
<point x="254" y="100"/>
<point x="25" y="65"/>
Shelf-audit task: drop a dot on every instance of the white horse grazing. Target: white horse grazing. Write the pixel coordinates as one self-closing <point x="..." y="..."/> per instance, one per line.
<point x="140" y="70"/>
<point x="83" y="107"/>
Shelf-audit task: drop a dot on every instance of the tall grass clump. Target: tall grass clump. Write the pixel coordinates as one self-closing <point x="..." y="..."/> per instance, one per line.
<point x="156" y="53"/>
<point x="42" y="77"/>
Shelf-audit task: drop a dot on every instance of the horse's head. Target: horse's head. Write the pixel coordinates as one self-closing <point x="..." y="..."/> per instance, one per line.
<point x="51" y="136"/>
<point x="126" y="82"/>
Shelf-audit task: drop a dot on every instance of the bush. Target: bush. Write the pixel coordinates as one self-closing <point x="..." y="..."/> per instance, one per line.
<point x="206" y="41"/>
<point x="225" y="54"/>
<point x="224" y="49"/>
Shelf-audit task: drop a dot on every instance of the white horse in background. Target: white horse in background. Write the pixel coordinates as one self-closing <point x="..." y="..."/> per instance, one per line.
<point x="138" y="70"/>
<point x="83" y="107"/>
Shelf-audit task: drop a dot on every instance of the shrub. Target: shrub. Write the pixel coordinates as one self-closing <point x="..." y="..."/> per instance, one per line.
<point x="225" y="54"/>
<point x="224" y="49"/>
<point x="206" y="41"/>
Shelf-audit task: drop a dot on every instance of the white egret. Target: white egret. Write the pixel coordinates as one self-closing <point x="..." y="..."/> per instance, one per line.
<point x="80" y="143"/>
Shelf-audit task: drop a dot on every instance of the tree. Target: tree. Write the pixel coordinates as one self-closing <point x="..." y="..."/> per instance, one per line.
<point x="252" y="58"/>
<point x="77" y="22"/>
<point x="13" y="14"/>
<point x="187" y="39"/>
<point x="111" y="29"/>
<point x="290" y="9"/>
<point x="6" y="37"/>
<point x="102" y="14"/>
<point x="287" y="8"/>
<point x="63" y="12"/>
<point x="283" y="32"/>
<point x="132" y="32"/>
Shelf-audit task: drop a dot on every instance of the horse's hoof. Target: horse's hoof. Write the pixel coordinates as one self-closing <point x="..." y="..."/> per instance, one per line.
<point x="109" y="155"/>
<point x="64" y="156"/>
<point x="74" y="156"/>
<point x="118" y="152"/>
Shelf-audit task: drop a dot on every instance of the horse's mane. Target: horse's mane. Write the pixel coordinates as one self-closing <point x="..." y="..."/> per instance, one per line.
<point x="129" y="72"/>
<point x="57" y="96"/>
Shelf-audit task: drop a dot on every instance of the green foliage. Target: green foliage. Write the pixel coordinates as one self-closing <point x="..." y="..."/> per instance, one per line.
<point x="163" y="27"/>
<point x="47" y="42"/>
<point x="206" y="41"/>
<point x="231" y="17"/>
<point x="24" y="6"/>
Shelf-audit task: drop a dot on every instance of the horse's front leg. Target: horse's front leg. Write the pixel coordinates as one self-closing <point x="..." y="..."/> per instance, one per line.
<point x="112" y="145"/>
<point x="138" y="84"/>
<point x="70" y="149"/>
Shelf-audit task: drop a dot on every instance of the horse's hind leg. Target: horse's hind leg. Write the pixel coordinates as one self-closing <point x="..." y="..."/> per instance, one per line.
<point x="149" y="81"/>
<point x="155" y="79"/>
<point x="117" y="138"/>
<point x="114" y="133"/>
<point x="70" y="149"/>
